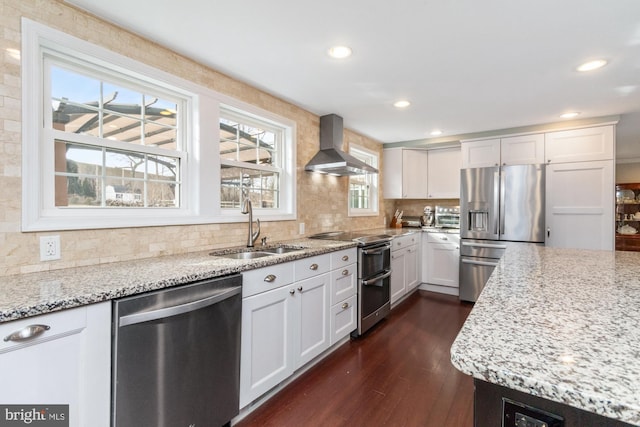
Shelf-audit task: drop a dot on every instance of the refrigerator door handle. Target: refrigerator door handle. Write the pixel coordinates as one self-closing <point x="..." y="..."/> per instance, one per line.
<point x="503" y="195"/>
<point x="496" y="200"/>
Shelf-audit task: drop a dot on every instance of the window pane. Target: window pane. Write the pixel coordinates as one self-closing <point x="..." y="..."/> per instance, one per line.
<point x="73" y="96"/>
<point x="77" y="158"/>
<point x="262" y="187"/>
<point x="163" y="168"/>
<point x="159" y="135"/>
<point x="247" y="143"/>
<point x="121" y="100"/>
<point x="160" y="194"/>
<point x="77" y="191"/>
<point x="126" y="164"/>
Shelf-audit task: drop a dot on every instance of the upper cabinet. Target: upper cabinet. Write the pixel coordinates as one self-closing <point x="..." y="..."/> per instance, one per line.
<point x="443" y="173"/>
<point x="580" y="145"/>
<point x="514" y="150"/>
<point x="421" y="174"/>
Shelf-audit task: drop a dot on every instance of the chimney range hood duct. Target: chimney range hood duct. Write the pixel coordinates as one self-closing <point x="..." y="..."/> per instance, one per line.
<point x="331" y="159"/>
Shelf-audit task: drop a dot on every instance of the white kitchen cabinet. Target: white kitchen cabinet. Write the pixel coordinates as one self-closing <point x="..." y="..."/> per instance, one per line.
<point x="522" y="149"/>
<point x="68" y="364"/>
<point x="579" y="205"/>
<point x="580" y="145"/>
<point x="512" y="150"/>
<point x="287" y="316"/>
<point x="404" y="265"/>
<point x="481" y="153"/>
<point x="344" y="310"/>
<point x="443" y="173"/>
<point x="405" y="173"/>
<point x="443" y="257"/>
<point x="267" y="352"/>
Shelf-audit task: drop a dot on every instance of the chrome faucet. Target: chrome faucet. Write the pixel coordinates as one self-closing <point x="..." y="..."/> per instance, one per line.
<point x="247" y="209"/>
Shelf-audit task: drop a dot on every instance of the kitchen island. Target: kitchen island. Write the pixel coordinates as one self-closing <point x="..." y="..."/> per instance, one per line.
<point x="561" y="326"/>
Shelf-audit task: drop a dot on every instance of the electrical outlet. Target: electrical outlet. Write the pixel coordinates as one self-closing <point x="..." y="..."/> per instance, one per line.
<point x="49" y="248"/>
<point x="301" y="228"/>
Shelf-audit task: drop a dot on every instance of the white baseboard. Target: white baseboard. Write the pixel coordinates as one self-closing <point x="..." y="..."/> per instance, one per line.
<point x="439" y="289"/>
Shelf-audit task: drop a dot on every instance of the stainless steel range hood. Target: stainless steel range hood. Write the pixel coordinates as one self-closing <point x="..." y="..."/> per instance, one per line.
<point x="331" y="159"/>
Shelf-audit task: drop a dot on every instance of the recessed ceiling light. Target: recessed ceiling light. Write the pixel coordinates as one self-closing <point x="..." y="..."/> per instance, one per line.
<point x="340" y="52"/>
<point x="436" y="132"/>
<point x="592" y="65"/>
<point x="401" y="104"/>
<point x="570" y="115"/>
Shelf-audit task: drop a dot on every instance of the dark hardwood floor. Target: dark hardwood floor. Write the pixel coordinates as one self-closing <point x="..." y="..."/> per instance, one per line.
<point x="399" y="374"/>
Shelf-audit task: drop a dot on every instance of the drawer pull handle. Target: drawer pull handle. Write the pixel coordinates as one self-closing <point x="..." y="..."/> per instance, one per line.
<point x="345" y="257"/>
<point x="270" y="278"/>
<point x="313" y="266"/>
<point x="345" y="305"/>
<point x="299" y="288"/>
<point x="27" y="333"/>
<point x="292" y="292"/>
<point x="345" y="272"/>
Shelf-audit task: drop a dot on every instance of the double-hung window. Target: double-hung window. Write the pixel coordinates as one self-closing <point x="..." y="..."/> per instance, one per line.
<point x="110" y="142"/>
<point x="363" y="189"/>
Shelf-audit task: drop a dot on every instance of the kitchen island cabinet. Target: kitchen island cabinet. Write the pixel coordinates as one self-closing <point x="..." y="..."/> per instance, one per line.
<point x="560" y="325"/>
<point x="67" y="362"/>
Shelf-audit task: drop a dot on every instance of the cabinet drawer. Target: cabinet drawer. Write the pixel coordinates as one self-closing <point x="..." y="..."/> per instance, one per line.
<point x="343" y="283"/>
<point x="453" y="239"/>
<point x="343" y="258"/>
<point x="59" y="324"/>
<point x="267" y="278"/>
<point x="344" y="319"/>
<point x="312" y="266"/>
<point x="400" y="242"/>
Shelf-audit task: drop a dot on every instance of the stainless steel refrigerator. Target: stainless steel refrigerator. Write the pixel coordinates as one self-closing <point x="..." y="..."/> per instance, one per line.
<point x="497" y="205"/>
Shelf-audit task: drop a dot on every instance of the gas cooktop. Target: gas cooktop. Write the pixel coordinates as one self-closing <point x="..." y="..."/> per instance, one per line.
<point x="361" y="238"/>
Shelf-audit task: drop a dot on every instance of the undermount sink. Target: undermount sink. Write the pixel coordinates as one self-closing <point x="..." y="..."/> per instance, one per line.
<point x="244" y="255"/>
<point x="252" y="253"/>
<point x="281" y="250"/>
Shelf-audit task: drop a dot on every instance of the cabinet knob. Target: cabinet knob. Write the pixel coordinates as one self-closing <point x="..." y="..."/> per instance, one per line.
<point x="313" y="266"/>
<point x="444" y="238"/>
<point x="457" y="247"/>
<point x="270" y="278"/>
<point x="345" y="305"/>
<point x="345" y="258"/>
<point x="299" y="288"/>
<point x="292" y="291"/>
<point x="549" y="161"/>
<point x="345" y="272"/>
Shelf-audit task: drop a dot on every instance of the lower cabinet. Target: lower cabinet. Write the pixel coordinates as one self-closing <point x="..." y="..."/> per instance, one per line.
<point x="289" y="317"/>
<point x="404" y="265"/>
<point x="442" y="256"/>
<point x="67" y="362"/>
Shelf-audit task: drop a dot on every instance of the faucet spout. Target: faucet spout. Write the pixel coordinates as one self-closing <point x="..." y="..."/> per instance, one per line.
<point x="247" y="209"/>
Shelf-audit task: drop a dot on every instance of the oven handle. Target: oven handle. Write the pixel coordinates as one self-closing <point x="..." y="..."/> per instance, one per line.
<point x="491" y="264"/>
<point x="376" y="251"/>
<point x="370" y="282"/>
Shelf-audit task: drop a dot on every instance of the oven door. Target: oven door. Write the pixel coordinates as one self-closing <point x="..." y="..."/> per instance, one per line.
<point x="373" y="260"/>
<point x="374" y="300"/>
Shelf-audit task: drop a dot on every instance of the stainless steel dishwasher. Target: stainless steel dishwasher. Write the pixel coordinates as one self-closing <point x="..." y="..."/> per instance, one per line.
<point x="176" y="356"/>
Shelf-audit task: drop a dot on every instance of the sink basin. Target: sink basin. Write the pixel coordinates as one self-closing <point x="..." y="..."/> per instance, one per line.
<point x="281" y="250"/>
<point x="242" y="255"/>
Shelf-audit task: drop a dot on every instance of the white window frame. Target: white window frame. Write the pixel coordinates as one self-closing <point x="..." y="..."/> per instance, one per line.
<point x="200" y="165"/>
<point x="373" y="210"/>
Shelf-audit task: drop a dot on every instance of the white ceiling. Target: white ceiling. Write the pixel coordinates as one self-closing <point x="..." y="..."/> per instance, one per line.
<point x="466" y="65"/>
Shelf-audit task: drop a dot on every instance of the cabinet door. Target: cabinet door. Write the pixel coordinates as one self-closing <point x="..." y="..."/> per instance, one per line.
<point x="312" y="328"/>
<point x="411" y="266"/>
<point x="522" y="150"/>
<point x="579" y="145"/>
<point x="344" y="318"/>
<point x="443" y="171"/>
<point x="480" y="154"/>
<point x="414" y="174"/>
<point x="392" y="174"/>
<point x="443" y="259"/>
<point x="579" y="205"/>
<point x="267" y="341"/>
<point x="398" y="281"/>
<point x="69" y="364"/>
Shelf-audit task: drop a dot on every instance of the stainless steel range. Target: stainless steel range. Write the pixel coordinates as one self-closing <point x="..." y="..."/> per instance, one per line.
<point x="374" y="275"/>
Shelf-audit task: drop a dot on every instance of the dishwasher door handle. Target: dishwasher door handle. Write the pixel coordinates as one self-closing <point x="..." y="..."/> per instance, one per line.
<point x="163" y="313"/>
<point x="490" y="264"/>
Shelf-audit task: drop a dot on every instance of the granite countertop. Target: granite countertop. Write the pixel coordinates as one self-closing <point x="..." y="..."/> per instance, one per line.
<point x="39" y="293"/>
<point x="560" y="324"/>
